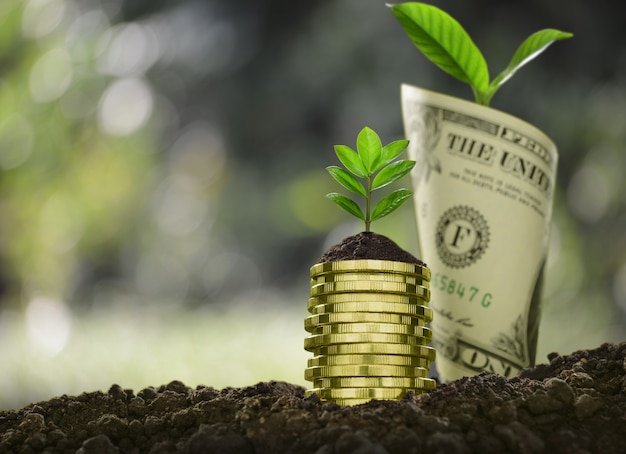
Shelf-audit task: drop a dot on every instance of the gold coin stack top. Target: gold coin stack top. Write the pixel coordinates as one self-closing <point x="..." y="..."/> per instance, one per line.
<point x="368" y="331"/>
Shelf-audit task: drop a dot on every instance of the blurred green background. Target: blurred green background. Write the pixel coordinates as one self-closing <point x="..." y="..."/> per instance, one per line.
<point x="162" y="176"/>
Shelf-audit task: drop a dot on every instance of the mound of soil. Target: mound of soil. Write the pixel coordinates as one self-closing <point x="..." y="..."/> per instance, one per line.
<point x="573" y="404"/>
<point x="368" y="245"/>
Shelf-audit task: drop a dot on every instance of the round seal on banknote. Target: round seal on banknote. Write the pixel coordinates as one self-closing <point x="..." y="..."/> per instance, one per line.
<point x="462" y="236"/>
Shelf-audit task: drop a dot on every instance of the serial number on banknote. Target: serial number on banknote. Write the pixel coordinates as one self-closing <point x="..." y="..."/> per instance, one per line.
<point x="457" y="288"/>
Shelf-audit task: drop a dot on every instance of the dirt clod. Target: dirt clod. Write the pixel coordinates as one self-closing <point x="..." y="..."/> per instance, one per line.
<point x="368" y="245"/>
<point x="574" y="404"/>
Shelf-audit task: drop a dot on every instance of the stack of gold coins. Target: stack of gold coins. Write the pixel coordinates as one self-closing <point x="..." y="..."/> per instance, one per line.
<point x="368" y="331"/>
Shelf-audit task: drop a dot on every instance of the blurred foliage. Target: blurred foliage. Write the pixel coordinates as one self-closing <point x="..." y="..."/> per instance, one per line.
<point x="173" y="152"/>
<point x="72" y="176"/>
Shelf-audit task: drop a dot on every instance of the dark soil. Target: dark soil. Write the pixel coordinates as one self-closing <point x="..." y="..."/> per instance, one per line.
<point x="573" y="404"/>
<point x="368" y="245"/>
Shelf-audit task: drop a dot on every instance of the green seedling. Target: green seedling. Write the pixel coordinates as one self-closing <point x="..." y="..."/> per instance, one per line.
<point x="371" y="167"/>
<point x="446" y="43"/>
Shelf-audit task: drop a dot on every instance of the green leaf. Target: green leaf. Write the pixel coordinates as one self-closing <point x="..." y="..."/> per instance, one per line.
<point x="351" y="160"/>
<point x="444" y="42"/>
<point x="390" y="203"/>
<point x="370" y="149"/>
<point x="347" y="204"/>
<point x="370" y="160"/>
<point x="391" y="173"/>
<point x="534" y="45"/>
<point x="392" y="150"/>
<point x="346" y="180"/>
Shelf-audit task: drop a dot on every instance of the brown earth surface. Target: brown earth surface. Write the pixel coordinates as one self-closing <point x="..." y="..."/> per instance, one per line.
<point x="573" y="404"/>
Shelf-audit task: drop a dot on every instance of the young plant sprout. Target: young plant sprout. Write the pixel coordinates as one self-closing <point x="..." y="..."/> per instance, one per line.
<point x="373" y="163"/>
<point x="446" y="43"/>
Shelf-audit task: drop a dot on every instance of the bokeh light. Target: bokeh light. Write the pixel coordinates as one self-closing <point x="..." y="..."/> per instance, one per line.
<point x="42" y="17"/>
<point x="51" y="75"/>
<point x="49" y="325"/>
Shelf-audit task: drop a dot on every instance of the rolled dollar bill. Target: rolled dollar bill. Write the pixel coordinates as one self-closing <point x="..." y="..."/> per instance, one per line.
<point x="484" y="184"/>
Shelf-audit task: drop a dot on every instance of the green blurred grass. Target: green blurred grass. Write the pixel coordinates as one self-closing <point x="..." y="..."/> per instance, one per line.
<point x="239" y="346"/>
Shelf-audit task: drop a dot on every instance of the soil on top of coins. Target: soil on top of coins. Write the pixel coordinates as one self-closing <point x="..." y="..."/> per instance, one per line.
<point x="368" y="245"/>
<point x="571" y="404"/>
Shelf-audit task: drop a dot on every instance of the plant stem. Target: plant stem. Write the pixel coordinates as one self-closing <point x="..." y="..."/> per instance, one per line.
<point x="481" y="98"/>
<point x="368" y="203"/>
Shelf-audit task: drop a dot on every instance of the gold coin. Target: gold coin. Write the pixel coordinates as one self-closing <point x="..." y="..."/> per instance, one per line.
<point x="340" y="402"/>
<point x="389" y="360"/>
<point x="364" y="370"/>
<point x="346" y="402"/>
<point x="312" y="321"/>
<point x="319" y="340"/>
<point x="390" y="328"/>
<point x="416" y="310"/>
<point x="376" y="349"/>
<point x="354" y="297"/>
<point x="362" y="297"/>
<point x="368" y="287"/>
<point x="353" y="402"/>
<point x="375" y="382"/>
<point x="361" y="393"/>
<point x="378" y="277"/>
<point x="386" y="266"/>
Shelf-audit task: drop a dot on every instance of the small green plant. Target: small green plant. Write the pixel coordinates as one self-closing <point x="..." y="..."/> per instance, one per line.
<point x="446" y="43"/>
<point x="373" y="163"/>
